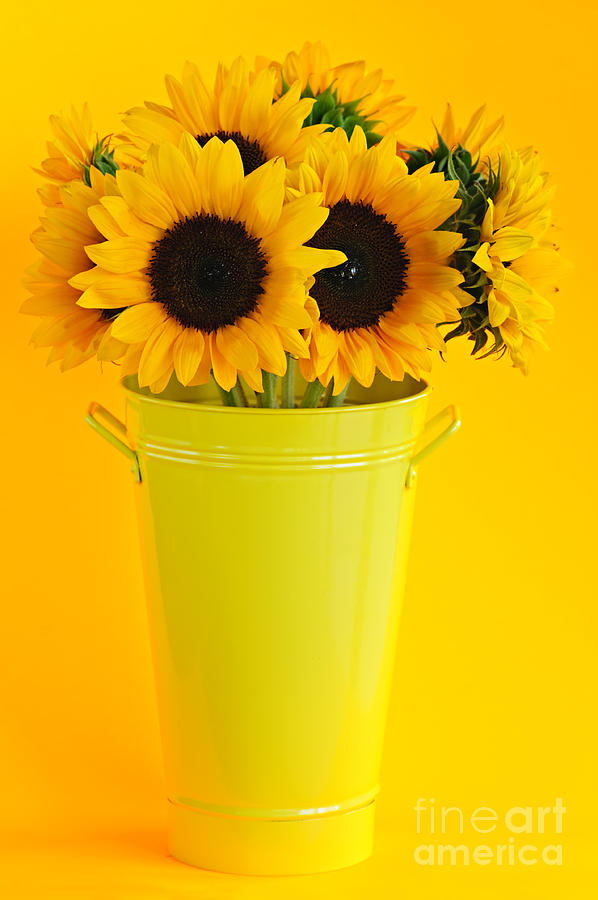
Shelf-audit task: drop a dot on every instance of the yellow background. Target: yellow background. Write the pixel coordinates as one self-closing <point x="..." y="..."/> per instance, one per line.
<point x="494" y="697"/>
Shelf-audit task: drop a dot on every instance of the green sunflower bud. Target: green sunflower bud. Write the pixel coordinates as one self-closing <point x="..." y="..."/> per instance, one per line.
<point x="102" y="158"/>
<point x="330" y="110"/>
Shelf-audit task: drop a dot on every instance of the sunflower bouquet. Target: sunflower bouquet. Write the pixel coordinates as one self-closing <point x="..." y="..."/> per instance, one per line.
<point x="273" y="228"/>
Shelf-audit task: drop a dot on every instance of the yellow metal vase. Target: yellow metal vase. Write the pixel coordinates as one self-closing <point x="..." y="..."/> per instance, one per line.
<point x="274" y="546"/>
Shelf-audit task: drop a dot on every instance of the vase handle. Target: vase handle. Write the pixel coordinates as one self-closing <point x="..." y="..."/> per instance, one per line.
<point x="455" y="422"/>
<point x="95" y="412"/>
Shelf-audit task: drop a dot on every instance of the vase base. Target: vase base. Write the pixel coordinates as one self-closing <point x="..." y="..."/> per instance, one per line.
<point x="253" y="846"/>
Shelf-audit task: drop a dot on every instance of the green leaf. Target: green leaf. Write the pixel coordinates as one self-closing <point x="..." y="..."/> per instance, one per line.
<point x="323" y="105"/>
<point x="480" y="340"/>
<point x="372" y="138"/>
<point x="459" y="331"/>
<point x="333" y="117"/>
<point x="417" y="158"/>
<point x="442" y="147"/>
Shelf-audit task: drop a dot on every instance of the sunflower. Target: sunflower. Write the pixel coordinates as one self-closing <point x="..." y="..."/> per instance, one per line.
<point x="517" y="255"/>
<point x="345" y="95"/>
<point x="381" y="307"/>
<point x="72" y="153"/>
<point x="73" y="333"/>
<point x="211" y="266"/>
<point x="478" y="183"/>
<point x="239" y="107"/>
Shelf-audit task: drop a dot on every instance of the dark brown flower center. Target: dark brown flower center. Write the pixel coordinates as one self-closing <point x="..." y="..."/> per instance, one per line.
<point x="359" y="292"/>
<point x="207" y="272"/>
<point x="252" y="154"/>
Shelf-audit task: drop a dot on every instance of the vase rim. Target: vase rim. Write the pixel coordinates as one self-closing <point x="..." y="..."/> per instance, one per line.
<point x="424" y="390"/>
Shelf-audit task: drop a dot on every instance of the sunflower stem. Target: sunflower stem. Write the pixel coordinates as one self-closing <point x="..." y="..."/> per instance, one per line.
<point x="339" y="399"/>
<point x="238" y="395"/>
<point x="288" y="384"/>
<point x="227" y="397"/>
<point x="269" y="395"/>
<point x="313" y="395"/>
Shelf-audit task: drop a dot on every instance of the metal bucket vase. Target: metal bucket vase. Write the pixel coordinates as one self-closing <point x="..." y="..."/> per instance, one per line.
<point x="274" y="545"/>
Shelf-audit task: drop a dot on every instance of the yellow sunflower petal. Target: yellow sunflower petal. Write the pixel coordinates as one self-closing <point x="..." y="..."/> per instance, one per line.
<point x="299" y="221"/>
<point x="177" y="179"/>
<point x="433" y="277"/>
<point x="129" y="364"/>
<point x="109" y="348"/>
<point x="187" y="113"/>
<point x="236" y="347"/>
<point x="512" y="284"/>
<point x="49" y="331"/>
<point x="358" y="143"/>
<point x="358" y="357"/>
<point x="325" y="339"/>
<point x="190" y="149"/>
<point x="156" y="387"/>
<point x="512" y="334"/>
<point x="482" y="259"/>
<point x="361" y="178"/>
<point x="403" y="332"/>
<point x="105" y="223"/>
<point x="146" y="200"/>
<point x="268" y="343"/>
<point x="152" y="126"/>
<point x="253" y="377"/>
<point x="510" y="243"/>
<point x="126" y="220"/>
<point x="257" y="107"/>
<point x="233" y="95"/>
<point x="69" y="255"/>
<point x="227" y="187"/>
<point x="284" y="312"/>
<point x="225" y="374"/>
<point x="335" y="178"/>
<point x="204" y="369"/>
<point x="432" y="337"/>
<point x="433" y="246"/>
<point x="541" y="267"/>
<point x="156" y="357"/>
<point x="112" y="292"/>
<point x="429" y="215"/>
<point x="263" y="197"/>
<point x="293" y="342"/>
<point x="200" y="100"/>
<point x="121" y="255"/>
<point x="55" y="301"/>
<point x="498" y="310"/>
<point x="187" y="354"/>
<point x="310" y="259"/>
<point x="341" y="374"/>
<point x="138" y="322"/>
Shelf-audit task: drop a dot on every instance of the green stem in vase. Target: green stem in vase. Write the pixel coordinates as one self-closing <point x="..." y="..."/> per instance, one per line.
<point x="269" y="395"/>
<point x="288" y="384"/>
<point x="313" y="395"/>
<point x="227" y="397"/>
<point x="238" y="395"/>
<point x="339" y="399"/>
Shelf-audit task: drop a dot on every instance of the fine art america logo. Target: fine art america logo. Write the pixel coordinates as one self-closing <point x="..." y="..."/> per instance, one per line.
<point x="521" y="835"/>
